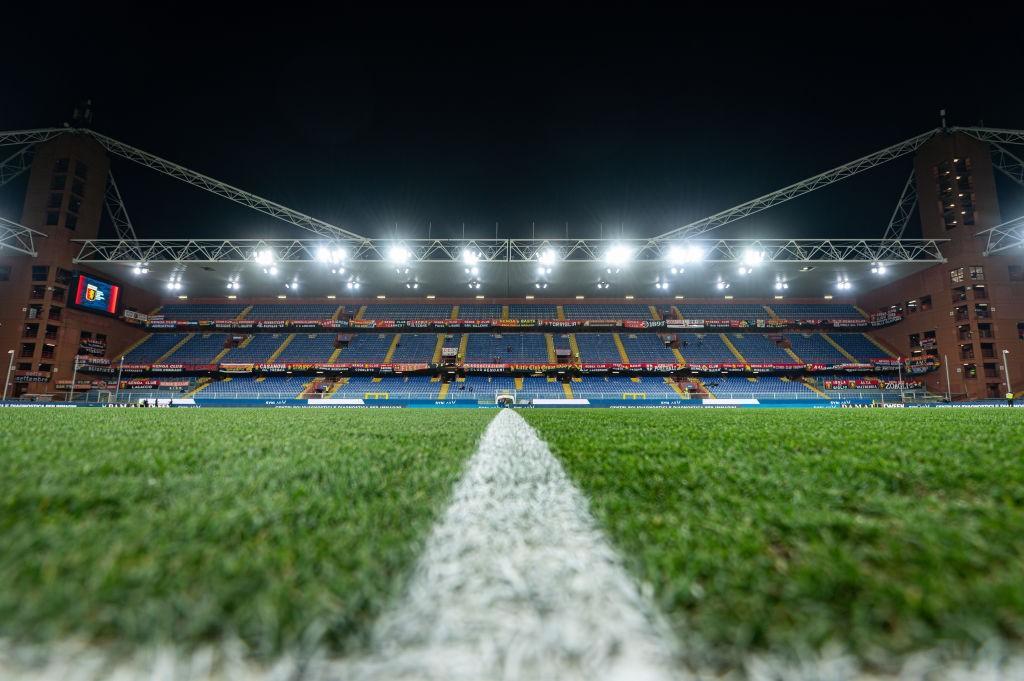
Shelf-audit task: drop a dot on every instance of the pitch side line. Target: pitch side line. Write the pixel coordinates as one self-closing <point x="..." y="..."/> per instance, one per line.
<point x="517" y="582"/>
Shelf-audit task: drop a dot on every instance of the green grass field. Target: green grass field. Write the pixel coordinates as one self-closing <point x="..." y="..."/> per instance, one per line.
<point x="783" y="531"/>
<point x="883" y="531"/>
<point x="189" y="525"/>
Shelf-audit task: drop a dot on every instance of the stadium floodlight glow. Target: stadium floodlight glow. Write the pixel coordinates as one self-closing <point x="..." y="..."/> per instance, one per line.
<point x="399" y="254"/>
<point x="264" y="257"/>
<point x="543" y="271"/>
<point x="470" y="257"/>
<point x="843" y="284"/>
<point x="140" y="268"/>
<point x="752" y="257"/>
<point x="721" y="285"/>
<point x="473" y="271"/>
<point x="601" y="285"/>
<point x="541" y="284"/>
<point x="781" y="285"/>
<point x="682" y="255"/>
<point x="661" y="285"/>
<point x="547" y="258"/>
<point x="877" y="268"/>
<point x="332" y="256"/>
<point x="474" y="284"/>
<point x="743" y="270"/>
<point x="618" y="255"/>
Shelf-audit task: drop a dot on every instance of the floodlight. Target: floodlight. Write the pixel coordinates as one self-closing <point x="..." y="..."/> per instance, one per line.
<point x="752" y="257"/>
<point x="470" y="257"/>
<point x="877" y="268"/>
<point x="547" y="258"/>
<point x="265" y="257"/>
<point x="618" y="255"/>
<point x="690" y="253"/>
<point x="399" y="255"/>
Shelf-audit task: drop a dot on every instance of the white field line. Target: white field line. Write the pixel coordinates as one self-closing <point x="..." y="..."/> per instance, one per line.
<point x="517" y="582"/>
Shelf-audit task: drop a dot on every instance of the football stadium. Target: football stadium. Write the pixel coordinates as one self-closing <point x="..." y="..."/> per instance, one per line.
<point x="331" y="454"/>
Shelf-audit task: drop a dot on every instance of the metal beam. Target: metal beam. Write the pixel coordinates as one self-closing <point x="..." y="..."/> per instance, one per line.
<point x="219" y="188"/>
<point x="15" y="164"/>
<point x="904" y="209"/>
<point x="515" y="250"/>
<point x="1005" y="236"/>
<point x="17" y="237"/>
<point x="800" y="188"/>
<point x="9" y="137"/>
<point x="1005" y="161"/>
<point x="117" y="211"/>
<point x="994" y="134"/>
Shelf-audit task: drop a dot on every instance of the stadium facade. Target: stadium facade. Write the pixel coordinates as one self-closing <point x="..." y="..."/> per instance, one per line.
<point x="950" y="305"/>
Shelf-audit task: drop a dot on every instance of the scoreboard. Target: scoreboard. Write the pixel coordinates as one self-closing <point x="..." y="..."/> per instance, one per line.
<point x="95" y="295"/>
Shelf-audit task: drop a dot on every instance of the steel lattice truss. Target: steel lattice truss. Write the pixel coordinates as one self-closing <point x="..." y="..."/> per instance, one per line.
<point x="1006" y="162"/>
<point x="117" y="211"/>
<point x="30" y="136"/>
<point x="15" y="164"/>
<point x="904" y="209"/>
<point x="1005" y="236"/>
<point x="998" y="135"/>
<point x="800" y="188"/>
<point x="511" y="250"/>
<point x="17" y="237"/>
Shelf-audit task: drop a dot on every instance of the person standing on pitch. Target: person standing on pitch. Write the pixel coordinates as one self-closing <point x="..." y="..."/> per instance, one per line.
<point x="1009" y="399"/>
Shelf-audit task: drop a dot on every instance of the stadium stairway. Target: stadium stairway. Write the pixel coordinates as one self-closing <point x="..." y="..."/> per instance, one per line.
<point x="243" y="313"/>
<point x="504" y="311"/>
<point x="310" y="389"/>
<point x="135" y="344"/>
<point x="391" y="349"/>
<point x="674" y="384"/>
<point x="815" y="388"/>
<point x="559" y="312"/>
<point x="436" y="357"/>
<point x="337" y="313"/>
<point x="361" y="312"/>
<point x="177" y="346"/>
<point x="703" y="387"/>
<point x="518" y="382"/>
<point x="621" y="348"/>
<point x="771" y="312"/>
<point x="881" y="346"/>
<point x="463" y="344"/>
<point x="789" y="351"/>
<point x="443" y="392"/>
<point x="572" y="344"/>
<point x="676" y="312"/>
<point x="455" y="312"/>
<point x="733" y="350"/>
<point x="839" y="348"/>
<point x="549" y="342"/>
<point x="654" y="312"/>
<point x="567" y="391"/>
<point x="679" y="356"/>
<point x="202" y="384"/>
<point x="280" y="349"/>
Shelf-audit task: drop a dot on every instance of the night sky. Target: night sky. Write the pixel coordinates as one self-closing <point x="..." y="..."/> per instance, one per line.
<point x="646" y="121"/>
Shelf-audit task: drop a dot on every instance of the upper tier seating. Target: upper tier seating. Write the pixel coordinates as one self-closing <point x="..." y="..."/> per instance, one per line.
<point x="597" y="348"/>
<point x="308" y="347"/>
<point x="706" y="348"/>
<point x="814" y="349"/>
<point x="200" y="349"/>
<point x="415" y="348"/>
<point x="858" y="345"/>
<point x="517" y="311"/>
<point x="816" y="311"/>
<point x="758" y="348"/>
<point x="153" y="348"/>
<point x="293" y="311"/>
<point x="478" y="311"/>
<point x="722" y="311"/>
<point x="647" y="348"/>
<point x="540" y="386"/>
<point x="410" y="311"/>
<point x="509" y="348"/>
<point x="602" y="311"/>
<point x="395" y="387"/>
<point x="216" y="311"/>
<point x="259" y="348"/>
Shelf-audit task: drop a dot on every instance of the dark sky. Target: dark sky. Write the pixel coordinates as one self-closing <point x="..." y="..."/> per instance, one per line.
<point x="640" y="119"/>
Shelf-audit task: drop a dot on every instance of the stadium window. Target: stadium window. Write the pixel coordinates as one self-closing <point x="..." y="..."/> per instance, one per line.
<point x="1020" y="331"/>
<point x="971" y="371"/>
<point x="956" y="276"/>
<point x="30" y="330"/>
<point x="40" y="272"/>
<point x="38" y="292"/>
<point x="51" y="332"/>
<point x="911" y="306"/>
<point x="63" y="276"/>
<point x="967" y="351"/>
<point x="55" y="313"/>
<point x="71" y="221"/>
<point x="959" y="294"/>
<point x="75" y="204"/>
<point x="27" y="349"/>
<point x="925" y="303"/>
<point x="961" y="314"/>
<point x="980" y="292"/>
<point x="81" y="170"/>
<point x="5" y="272"/>
<point x="993" y="390"/>
<point x="34" y="311"/>
<point x="55" y="200"/>
<point x="58" y="293"/>
<point x="981" y="311"/>
<point x="24" y="366"/>
<point x="990" y="370"/>
<point x="964" y="332"/>
<point x="962" y="165"/>
<point x="45" y="367"/>
<point x="61" y="165"/>
<point x="988" y="350"/>
<point x="78" y="188"/>
<point x="52" y="218"/>
<point x="58" y="183"/>
<point x="984" y="330"/>
<point x="915" y="340"/>
<point x="1016" y="272"/>
<point x="977" y="273"/>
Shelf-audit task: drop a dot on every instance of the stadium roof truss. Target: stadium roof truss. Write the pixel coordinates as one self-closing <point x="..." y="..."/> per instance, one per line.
<point x="510" y="250"/>
<point x="19" y="238"/>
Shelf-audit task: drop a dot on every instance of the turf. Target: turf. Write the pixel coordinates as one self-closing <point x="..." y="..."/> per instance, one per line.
<point x="884" y="532"/>
<point x="280" y="527"/>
